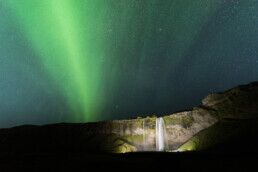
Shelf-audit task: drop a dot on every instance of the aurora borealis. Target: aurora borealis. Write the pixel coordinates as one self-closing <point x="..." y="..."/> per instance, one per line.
<point x="91" y="60"/>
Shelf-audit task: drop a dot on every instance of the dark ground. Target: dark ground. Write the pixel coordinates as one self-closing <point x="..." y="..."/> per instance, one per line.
<point x="22" y="150"/>
<point x="130" y="162"/>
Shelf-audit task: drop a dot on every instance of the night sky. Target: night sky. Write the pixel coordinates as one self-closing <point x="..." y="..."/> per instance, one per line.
<point x="92" y="60"/>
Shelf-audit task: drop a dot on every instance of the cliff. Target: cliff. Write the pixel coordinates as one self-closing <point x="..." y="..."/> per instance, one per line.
<point x="222" y="118"/>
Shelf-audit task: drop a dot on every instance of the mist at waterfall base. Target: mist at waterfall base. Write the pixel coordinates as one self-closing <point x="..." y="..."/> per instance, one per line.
<point x="88" y="60"/>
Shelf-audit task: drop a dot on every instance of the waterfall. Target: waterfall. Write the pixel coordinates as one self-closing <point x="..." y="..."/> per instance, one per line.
<point x="144" y="135"/>
<point x="161" y="140"/>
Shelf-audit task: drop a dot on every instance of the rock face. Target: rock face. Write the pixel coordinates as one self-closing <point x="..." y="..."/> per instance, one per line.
<point x="184" y="125"/>
<point x="221" y="118"/>
<point x="237" y="114"/>
<point x="237" y="103"/>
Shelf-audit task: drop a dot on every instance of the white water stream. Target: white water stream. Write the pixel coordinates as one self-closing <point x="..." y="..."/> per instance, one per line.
<point x="161" y="136"/>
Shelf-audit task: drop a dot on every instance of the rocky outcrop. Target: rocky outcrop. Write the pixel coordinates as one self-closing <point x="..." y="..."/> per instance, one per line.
<point x="220" y="118"/>
<point x="237" y="103"/>
<point x="182" y="126"/>
<point x="237" y="114"/>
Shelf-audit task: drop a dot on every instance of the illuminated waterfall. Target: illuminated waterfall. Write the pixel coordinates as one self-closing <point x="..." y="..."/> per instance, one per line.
<point x="144" y="136"/>
<point x="161" y="140"/>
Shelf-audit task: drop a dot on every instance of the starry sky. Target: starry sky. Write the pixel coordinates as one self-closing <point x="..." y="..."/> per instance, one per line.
<point x="93" y="60"/>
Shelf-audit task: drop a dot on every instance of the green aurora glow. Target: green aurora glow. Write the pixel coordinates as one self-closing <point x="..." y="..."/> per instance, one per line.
<point x="65" y="34"/>
<point x="70" y="39"/>
<point x="112" y="59"/>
